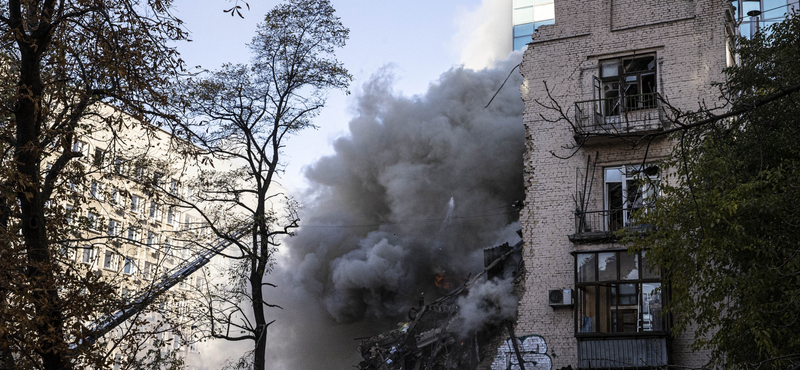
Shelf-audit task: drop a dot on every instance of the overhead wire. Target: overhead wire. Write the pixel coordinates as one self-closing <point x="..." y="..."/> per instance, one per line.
<point x="422" y="221"/>
<point x="740" y="19"/>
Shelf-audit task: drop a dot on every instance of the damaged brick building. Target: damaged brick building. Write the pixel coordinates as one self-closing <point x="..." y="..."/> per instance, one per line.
<point x="598" y="76"/>
<point x="595" y="81"/>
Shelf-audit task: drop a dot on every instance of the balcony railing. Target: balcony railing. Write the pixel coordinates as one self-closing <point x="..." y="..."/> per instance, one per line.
<point x="602" y="224"/>
<point x="620" y="115"/>
<point x="623" y="353"/>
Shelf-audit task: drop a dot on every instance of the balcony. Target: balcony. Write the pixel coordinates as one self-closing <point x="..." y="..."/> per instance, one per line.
<point x="609" y="119"/>
<point x="623" y="353"/>
<point x="599" y="226"/>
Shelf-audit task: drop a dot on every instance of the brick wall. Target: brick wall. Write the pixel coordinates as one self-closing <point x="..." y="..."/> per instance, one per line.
<point x="688" y="38"/>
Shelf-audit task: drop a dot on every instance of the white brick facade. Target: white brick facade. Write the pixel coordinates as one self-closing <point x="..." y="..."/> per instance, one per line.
<point x="689" y="41"/>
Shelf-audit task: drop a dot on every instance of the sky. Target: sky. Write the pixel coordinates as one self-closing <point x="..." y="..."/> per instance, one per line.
<point x="417" y="39"/>
<point x="405" y="58"/>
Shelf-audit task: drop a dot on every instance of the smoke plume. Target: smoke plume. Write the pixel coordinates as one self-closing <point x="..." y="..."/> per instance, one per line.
<point x="485" y="35"/>
<point x="488" y="303"/>
<point x="416" y="191"/>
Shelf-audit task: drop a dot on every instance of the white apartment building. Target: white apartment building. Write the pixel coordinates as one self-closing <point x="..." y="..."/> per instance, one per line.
<point x="135" y="219"/>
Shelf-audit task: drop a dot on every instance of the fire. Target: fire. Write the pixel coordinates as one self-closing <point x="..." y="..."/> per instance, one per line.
<point x="442" y="281"/>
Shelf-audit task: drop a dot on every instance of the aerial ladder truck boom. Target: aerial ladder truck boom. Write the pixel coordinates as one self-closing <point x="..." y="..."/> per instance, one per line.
<point x="160" y="286"/>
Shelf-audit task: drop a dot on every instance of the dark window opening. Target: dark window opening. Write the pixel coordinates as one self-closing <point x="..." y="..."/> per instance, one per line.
<point x="629" y="84"/>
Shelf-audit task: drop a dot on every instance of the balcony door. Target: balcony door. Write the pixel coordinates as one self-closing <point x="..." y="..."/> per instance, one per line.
<point x="626" y="85"/>
<point x="625" y="192"/>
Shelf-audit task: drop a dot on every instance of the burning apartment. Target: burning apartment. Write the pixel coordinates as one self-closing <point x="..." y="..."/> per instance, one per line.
<point x="459" y="330"/>
<point x="597" y="77"/>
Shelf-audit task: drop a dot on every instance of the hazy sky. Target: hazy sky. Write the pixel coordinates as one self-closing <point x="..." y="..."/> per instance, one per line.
<point x="420" y="39"/>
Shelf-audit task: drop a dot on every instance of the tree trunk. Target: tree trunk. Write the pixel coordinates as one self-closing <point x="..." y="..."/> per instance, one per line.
<point x="258" y="266"/>
<point x="41" y="267"/>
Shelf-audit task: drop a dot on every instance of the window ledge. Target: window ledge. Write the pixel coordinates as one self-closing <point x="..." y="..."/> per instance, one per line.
<point x="593" y="237"/>
<point x="609" y="336"/>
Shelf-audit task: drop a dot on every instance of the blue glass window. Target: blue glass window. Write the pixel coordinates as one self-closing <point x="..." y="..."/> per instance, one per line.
<point x="542" y="23"/>
<point x="523" y="30"/>
<point x="520" y="42"/>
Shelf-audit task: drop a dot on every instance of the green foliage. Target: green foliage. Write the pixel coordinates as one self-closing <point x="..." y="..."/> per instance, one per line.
<point x="726" y="228"/>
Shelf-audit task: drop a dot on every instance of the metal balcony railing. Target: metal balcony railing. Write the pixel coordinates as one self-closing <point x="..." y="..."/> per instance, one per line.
<point x="605" y="221"/>
<point x="619" y="115"/>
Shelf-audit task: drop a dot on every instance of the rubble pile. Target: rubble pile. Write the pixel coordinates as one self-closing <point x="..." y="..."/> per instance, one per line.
<point x="435" y="338"/>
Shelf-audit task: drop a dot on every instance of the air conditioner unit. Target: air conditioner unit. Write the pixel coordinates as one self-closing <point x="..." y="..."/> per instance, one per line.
<point x="560" y="297"/>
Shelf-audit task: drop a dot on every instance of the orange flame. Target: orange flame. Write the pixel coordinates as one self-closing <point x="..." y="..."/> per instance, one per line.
<point x="442" y="281"/>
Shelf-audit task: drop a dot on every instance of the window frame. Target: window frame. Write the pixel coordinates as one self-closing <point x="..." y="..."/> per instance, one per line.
<point x="174" y="187"/>
<point x="136" y="204"/>
<point x="147" y="270"/>
<point x="621" y="79"/>
<point x="80" y="146"/>
<point x="98" y="158"/>
<point x="87" y="251"/>
<point x="152" y="240"/>
<point x="629" y="173"/>
<point x="638" y="282"/>
<point x="129" y="266"/>
<point x="92" y="221"/>
<point x="110" y="260"/>
<point x="188" y="223"/>
<point x="155" y="211"/>
<point x="116" y="199"/>
<point x="93" y="189"/>
<point x="114" y="227"/>
<point x="134" y="234"/>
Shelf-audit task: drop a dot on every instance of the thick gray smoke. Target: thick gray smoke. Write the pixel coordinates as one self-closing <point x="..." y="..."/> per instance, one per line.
<point x="375" y="239"/>
<point x="411" y="197"/>
<point x="488" y="303"/>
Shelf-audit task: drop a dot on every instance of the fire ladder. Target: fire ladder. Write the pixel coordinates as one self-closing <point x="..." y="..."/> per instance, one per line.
<point x="156" y="288"/>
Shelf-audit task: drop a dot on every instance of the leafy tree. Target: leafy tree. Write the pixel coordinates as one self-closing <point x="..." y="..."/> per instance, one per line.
<point x="727" y="229"/>
<point x="61" y="63"/>
<point x="245" y="114"/>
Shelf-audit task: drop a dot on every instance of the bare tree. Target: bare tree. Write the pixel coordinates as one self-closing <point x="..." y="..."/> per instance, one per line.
<point x="244" y="114"/>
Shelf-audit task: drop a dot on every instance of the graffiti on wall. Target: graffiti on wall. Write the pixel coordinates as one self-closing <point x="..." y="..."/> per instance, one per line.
<point x="533" y="350"/>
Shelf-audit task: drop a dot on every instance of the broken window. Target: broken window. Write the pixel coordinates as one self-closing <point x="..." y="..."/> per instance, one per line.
<point x="618" y="292"/>
<point x="628" y="84"/>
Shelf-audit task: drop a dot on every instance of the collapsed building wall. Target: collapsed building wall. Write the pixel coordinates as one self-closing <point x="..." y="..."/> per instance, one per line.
<point x="460" y="330"/>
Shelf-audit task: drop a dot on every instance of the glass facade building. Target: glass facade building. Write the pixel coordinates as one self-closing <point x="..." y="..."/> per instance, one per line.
<point x="753" y="15"/>
<point x="528" y="16"/>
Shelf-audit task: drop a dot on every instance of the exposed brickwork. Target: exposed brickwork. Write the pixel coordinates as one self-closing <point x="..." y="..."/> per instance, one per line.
<point x="691" y="55"/>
